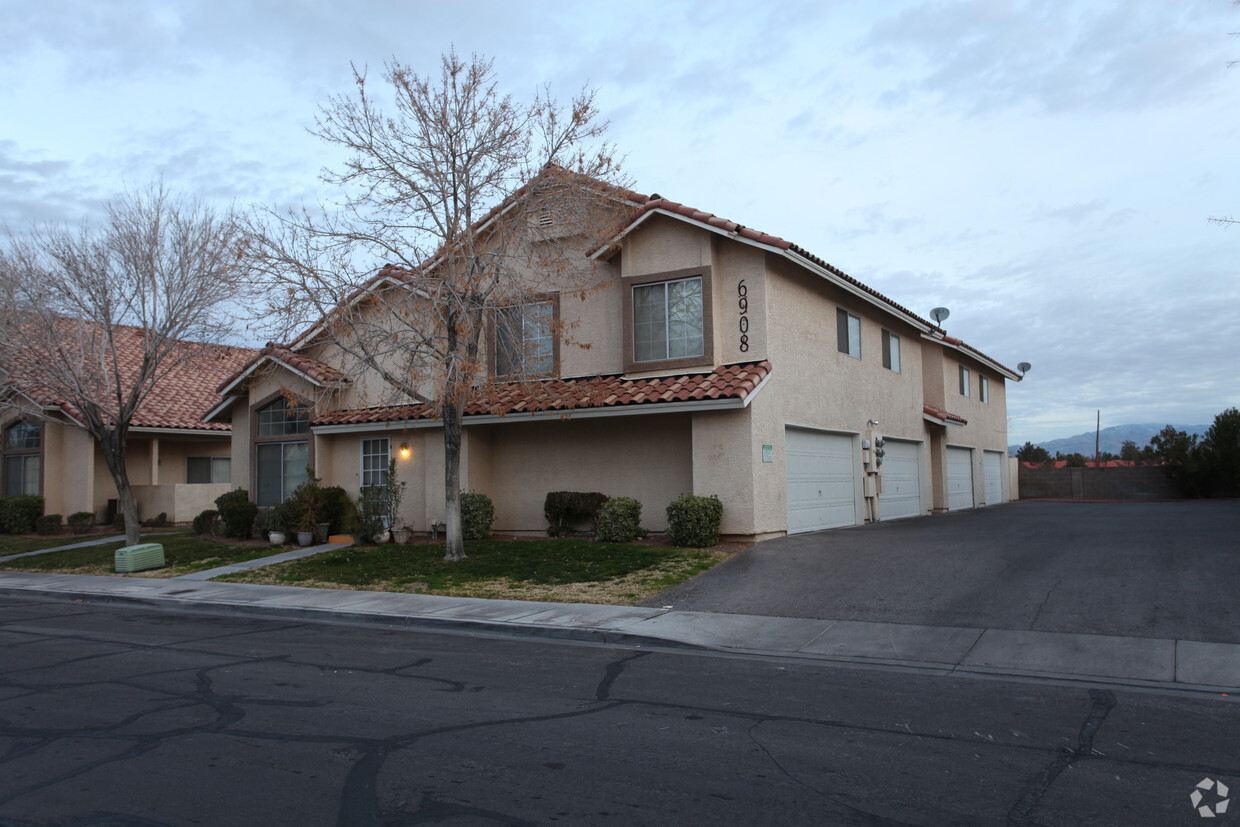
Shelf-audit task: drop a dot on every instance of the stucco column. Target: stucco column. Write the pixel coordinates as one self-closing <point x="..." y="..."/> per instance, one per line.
<point x="155" y="460"/>
<point x="938" y="469"/>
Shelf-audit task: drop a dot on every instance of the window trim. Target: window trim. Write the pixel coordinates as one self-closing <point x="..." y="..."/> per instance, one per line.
<point x="493" y="339"/>
<point x="362" y="471"/>
<point x="256" y="440"/>
<point x="843" y="332"/>
<point x="892" y="364"/>
<point x="983" y="389"/>
<point x="964" y="381"/>
<point x="23" y="453"/>
<point x="708" y="320"/>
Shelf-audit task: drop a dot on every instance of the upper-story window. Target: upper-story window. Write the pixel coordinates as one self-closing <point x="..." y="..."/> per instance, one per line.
<point x="525" y="340"/>
<point x="281" y="450"/>
<point x="964" y="381"/>
<point x="983" y="389"/>
<point x="848" y="333"/>
<point x="667" y="320"/>
<point x="891" y="351"/>
<point x="22" y="458"/>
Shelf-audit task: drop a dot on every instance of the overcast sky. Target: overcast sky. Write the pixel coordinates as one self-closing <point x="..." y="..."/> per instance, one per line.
<point x="1043" y="169"/>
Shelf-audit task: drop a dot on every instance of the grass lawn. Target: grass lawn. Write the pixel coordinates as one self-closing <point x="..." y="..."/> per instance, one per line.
<point x="13" y="544"/>
<point x="560" y="570"/>
<point x="184" y="554"/>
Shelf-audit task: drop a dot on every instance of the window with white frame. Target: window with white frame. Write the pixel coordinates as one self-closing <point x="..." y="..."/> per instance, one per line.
<point x="21" y="449"/>
<point x="376" y="456"/>
<point x="203" y="470"/>
<point x="891" y="351"/>
<point x="964" y="381"/>
<point x="667" y="320"/>
<point x="848" y="333"/>
<point x="525" y="340"/>
<point x="983" y="389"/>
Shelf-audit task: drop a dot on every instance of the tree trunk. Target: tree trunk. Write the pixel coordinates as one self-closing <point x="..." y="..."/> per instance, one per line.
<point x="452" y="415"/>
<point x="113" y="447"/>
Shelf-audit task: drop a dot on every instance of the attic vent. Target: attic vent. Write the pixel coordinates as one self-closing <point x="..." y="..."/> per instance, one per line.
<point x="545" y="218"/>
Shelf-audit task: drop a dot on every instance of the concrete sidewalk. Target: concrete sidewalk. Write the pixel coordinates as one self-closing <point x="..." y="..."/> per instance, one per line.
<point x="1182" y="664"/>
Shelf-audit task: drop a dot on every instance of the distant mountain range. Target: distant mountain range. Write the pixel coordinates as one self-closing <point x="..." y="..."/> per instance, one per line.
<point x="1109" y="439"/>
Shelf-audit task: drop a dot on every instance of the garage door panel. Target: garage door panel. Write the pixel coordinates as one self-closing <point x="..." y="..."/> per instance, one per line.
<point x="992" y="468"/>
<point x="901" y="471"/>
<point x="959" y="478"/>
<point x="821" y="482"/>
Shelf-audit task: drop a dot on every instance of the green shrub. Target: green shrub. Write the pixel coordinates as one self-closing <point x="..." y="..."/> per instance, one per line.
<point x="206" y="522"/>
<point x="47" y="524"/>
<point x="268" y="520"/>
<point x="338" y="510"/>
<point x="372" y="517"/>
<point x="81" y="522"/>
<point x="693" y="522"/>
<point x="160" y="521"/>
<point x="237" y="513"/>
<point x="620" y="521"/>
<point x="565" y="508"/>
<point x="477" y="514"/>
<point x="17" y="514"/>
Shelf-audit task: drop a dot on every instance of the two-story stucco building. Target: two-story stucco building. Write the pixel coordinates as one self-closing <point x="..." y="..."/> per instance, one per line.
<point x="719" y="360"/>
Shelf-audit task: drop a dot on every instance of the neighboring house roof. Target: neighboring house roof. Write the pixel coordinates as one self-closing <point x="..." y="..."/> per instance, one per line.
<point x="736" y="383"/>
<point x="656" y="204"/>
<point x="939" y="416"/>
<point x="179" y="400"/>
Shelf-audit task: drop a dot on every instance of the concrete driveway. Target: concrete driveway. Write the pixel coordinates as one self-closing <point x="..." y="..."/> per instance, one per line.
<point x="1162" y="570"/>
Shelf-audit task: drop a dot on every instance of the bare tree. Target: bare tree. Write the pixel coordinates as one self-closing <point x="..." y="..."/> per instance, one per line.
<point x="167" y="265"/>
<point x="465" y="202"/>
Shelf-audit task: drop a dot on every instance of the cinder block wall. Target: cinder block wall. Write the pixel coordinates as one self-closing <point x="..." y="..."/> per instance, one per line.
<point x="1137" y="483"/>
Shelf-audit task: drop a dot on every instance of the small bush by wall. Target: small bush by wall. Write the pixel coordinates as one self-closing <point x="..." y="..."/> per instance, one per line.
<point x="81" y="522"/>
<point x="620" y="521"/>
<point x="206" y="522"/>
<point x="237" y="513"/>
<point x="565" y="508"/>
<point x="47" y="524"/>
<point x="18" y="514"/>
<point x="477" y="515"/>
<point x="693" y="522"/>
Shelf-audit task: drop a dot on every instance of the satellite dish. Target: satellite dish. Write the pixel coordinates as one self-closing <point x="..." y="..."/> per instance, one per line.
<point x="1024" y="367"/>
<point x="939" y="314"/>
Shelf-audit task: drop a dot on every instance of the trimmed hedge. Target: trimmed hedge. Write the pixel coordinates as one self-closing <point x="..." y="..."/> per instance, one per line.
<point x="237" y="513"/>
<point x="81" y="522"/>
<point x="18" y="514"/>
<point x="477" y="514"/>
<point x="47" y="524"/>
<point x="206" y="522"/>
<point x="620" y="521"/>
<point x="564" y="508"/>
<point x="693" y="522"/>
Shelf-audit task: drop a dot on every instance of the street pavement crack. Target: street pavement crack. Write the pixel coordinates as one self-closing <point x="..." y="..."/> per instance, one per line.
<point x="1042" y="605"/>
<point x="614" y="670"/>
<point x="1102" y="702"/>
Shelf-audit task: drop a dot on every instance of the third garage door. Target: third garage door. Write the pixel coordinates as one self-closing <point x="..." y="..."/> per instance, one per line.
<point x="821" y="480"/>
<point x="901" y="472"/>
<point x="992" y="469"/>
<point x="959" y="478"/>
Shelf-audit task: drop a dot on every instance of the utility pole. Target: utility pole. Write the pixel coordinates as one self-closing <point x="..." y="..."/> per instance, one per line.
<point x="1097" y="436"/>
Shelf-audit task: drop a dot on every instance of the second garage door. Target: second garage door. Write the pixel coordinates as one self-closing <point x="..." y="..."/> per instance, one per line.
<point x="901" y="471"/>
<point x="959" y="478"/>
<point x="821" y="480"/>
<point x="992" y="468"/>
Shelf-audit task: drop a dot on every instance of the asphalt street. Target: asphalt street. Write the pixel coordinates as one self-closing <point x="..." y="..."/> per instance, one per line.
<point x="1152" y="570"/>
<point x="114" y="715"/>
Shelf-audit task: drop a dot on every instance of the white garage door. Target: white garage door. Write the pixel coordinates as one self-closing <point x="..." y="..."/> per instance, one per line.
<point x="992" y="467"/>
<point x="821" y="483"/>
<point x="959" y="478"/>
<point x="901" y="472"/>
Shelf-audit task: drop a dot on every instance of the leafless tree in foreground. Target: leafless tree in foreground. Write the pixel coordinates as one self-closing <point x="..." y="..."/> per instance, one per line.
<point x="468" y="206"/>
<point x="166" y="265"/>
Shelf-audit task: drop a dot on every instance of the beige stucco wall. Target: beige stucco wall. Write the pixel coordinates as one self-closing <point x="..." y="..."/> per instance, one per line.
<point x="987" y="422"/>
<point x="648" y="458"/>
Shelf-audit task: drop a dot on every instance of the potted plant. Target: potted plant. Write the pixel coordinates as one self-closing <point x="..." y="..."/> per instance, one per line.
<point x="307" y="503"/>
<point x="401" y="535"/>
<point x="269" y="522"/>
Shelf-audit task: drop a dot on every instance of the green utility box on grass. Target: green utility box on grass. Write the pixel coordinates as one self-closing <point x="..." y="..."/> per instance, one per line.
<point x="139" y="558"/>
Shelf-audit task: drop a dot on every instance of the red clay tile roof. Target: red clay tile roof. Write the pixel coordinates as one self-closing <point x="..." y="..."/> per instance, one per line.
<point x="180" y="398"/>
<point x="316" y="370"/>
<point x="736" y="381"/>
<point x="939" y="413"/>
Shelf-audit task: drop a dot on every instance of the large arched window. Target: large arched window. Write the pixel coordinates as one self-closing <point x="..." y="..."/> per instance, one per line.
<point x="22" y="455"/>
<point x="281" y="449"/>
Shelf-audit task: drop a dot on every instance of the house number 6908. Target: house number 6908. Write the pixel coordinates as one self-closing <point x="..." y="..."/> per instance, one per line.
<point x="742" y="302"/>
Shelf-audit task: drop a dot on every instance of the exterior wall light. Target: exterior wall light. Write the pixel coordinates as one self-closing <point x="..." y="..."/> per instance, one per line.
<point x="404" y="450"/>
